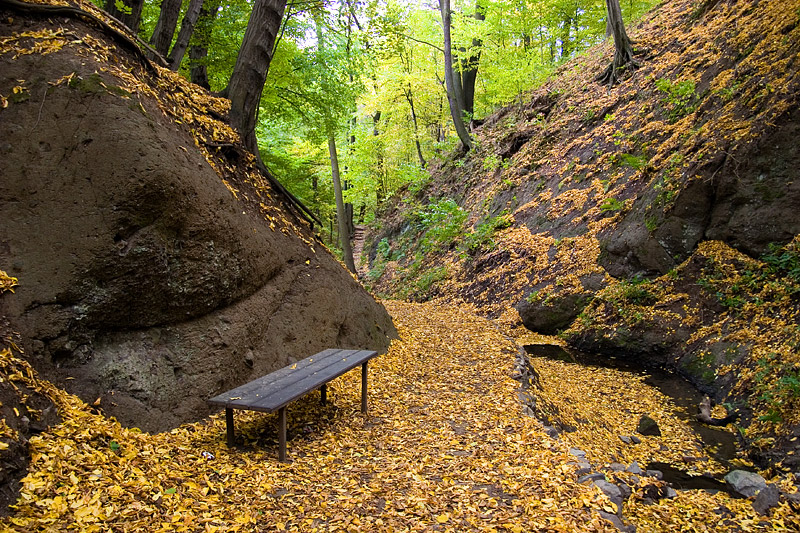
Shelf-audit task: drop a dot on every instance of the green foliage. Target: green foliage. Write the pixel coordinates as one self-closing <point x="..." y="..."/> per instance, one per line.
<point x="482" y="235"/>
<point x="637" y="291"/>
<point x="611" y="204"/>
<point x="634" y="161"/>
<point x="442" y="222"/>
<point x="780" y="395"/>
<point x="123" y="7"/>
<point x="679" y="98"/>
<point x="783" y="261"/>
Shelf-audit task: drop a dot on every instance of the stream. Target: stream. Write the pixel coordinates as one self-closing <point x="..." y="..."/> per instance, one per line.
<point x="717" y="442"/>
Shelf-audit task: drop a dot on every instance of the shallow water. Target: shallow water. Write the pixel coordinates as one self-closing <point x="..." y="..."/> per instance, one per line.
<point x="718" y="443"/>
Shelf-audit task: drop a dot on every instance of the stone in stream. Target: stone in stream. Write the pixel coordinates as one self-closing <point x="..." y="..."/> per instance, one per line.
<point x="658" y="474"/>
<point x="597" y="476"/>
<point x="648" y="426"/>
<point x="766" y="499"/>
<point x="748" y="484"/>
<point x="634" y="468"/>
<point x="580" y="454"/>
<point x="613" y="492"/>
<point x="614" y="519"/>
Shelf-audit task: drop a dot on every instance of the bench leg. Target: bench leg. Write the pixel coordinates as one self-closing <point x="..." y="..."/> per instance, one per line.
<point x="364" y="387"/>
<point x="323" y="391"/>
<point x="229" y="425"/>
<point x="282" y="434"/>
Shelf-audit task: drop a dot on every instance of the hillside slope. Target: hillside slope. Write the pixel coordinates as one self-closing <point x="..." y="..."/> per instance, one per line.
<point x="655" y="219"/>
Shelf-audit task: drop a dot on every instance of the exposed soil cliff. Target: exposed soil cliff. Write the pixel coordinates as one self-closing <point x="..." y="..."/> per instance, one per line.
<point x="156" y="267"/>
<point x="654" y="219"/>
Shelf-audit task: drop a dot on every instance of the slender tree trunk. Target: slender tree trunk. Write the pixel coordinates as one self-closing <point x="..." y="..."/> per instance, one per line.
<point x="453" y="88"/>
<point x="252" y="64"/>
<point x="410" y="98"/>
<point x="380" y="183"/>
<point x="165" y="27"/>
<point x="623" y="49"/>
<point x="187" y="28"/>
<point x="131" y="19"/>
<point x="566" y="41"/>
<point x="344" y="236"/>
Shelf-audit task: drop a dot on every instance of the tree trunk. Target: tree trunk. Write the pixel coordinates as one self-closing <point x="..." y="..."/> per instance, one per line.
<point x="410" y="98"/>
<point x="344" y="236"/>
<point x="252" y="64"/>
<point x="165" y="27"/>
<point x="453" y="88"/>
<point x="566" y="42"/>
<point x="198" y="52"/>
<point x="380" y="182"/>
<point x="469" y="66"/>
<point x="623" y="49"/>
<point x="132" y="14"/>
<point x="187" y="28"/>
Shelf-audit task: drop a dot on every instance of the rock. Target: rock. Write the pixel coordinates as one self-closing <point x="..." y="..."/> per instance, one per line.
<point x="766" y="499"/>
<point x="552" y="314"/>
<point x="625" y="439"/>
<point x="577" y="453"/>
<point x="614" y="519"/>
<point x="140" y="271"/>
<point x="551" y="432"/>
<point x="617" y="467"/>
<point x="658" y="474"/>
<point x="597" y="476"/>
<point x="748" y="484"/>
<point x="648" y="426"/>
<point x="671" y="493"/>
<point x="583" y="468"/>
<point x="613" y="492"/>
<point x="634" y="468"/>
<point x="635" y="439"/>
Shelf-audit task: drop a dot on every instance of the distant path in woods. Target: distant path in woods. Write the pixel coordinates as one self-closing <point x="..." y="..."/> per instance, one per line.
<point x="362" y="267"/>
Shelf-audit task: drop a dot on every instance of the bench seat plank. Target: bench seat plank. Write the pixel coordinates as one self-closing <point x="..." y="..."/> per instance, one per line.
<point x="271" y="392"/>
<point x="291" y="390"/>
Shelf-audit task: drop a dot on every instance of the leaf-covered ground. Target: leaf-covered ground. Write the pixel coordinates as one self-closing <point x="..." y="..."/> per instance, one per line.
<point x="445" y="447"/>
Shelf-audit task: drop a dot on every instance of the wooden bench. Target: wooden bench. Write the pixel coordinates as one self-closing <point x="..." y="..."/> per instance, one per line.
<point x="276" y="390"/>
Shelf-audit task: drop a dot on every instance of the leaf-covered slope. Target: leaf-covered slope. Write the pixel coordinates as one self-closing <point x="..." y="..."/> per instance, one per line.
<point x="580" y="186"/>
<point x="156" y="266"/>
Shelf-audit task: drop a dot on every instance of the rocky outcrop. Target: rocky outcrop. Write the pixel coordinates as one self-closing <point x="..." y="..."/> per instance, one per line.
<point x="146" y="280"/>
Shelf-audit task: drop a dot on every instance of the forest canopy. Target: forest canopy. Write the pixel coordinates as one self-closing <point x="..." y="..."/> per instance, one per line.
<point x="372" y="73"/>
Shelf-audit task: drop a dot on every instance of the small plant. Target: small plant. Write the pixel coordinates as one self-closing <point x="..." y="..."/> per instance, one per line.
<point x="533" y="297"/>
<point x="778" y="396"/>
<point x="482" y="235"/>
<point x="679" y="98"/>
<point x="636" y="291"/>
<point x="491" y="162"/>
<point x="634" y="161"/>
<point x="442" y="222"/>
<point x="651" y="223"/>
<point x="611" y="204"/>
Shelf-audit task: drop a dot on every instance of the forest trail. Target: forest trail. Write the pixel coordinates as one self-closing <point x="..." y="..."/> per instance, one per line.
<point x="445" y="448"/>
<point x="359" y="236"/>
